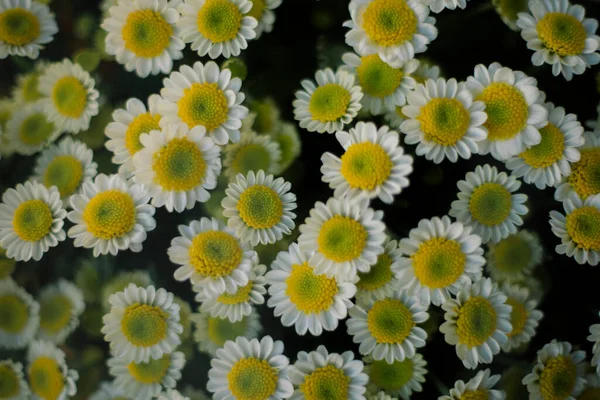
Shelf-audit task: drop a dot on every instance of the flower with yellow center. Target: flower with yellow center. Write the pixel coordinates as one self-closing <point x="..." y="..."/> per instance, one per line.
<point x="25" y="28"/>
<point x="300" y="296"/>
<point x="120" y="281"/>
<point x="48" y="374"/>
<point x="143" y="35"/>
<point x="265" y="111"/>
<point x="285" y="134"/>
<point x="29" y="130"/>
<point x="19" y="316"/>
<point x="394" y="29"/>
<point x="262" y="11"/>
<point x="31" y="221"/>
<point x="558" y="373"/>
<point x="61" y="305"/>
<point x="479" y="387"/>
<point x="488" y="203"/>
<point x="524" y="316"/>
<point x="399" y="378"/>
<point x="477" y="322"/>
<point x="109" y="391"/>
<point x="584" y="179"/>
<point x="373" y="165"/>
<point x="330" y="104"/>
<point x="514" y="109"/>
<point x="12" y="382"/>
<point x="26" y="89"/>
<point x="381" y="281"/>
<point x="514" y="258"/>
<point x="252" y="153"/>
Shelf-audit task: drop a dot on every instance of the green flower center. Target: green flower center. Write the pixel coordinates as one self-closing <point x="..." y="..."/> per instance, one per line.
<point x="476" y="321"/>
<point x="444" y="121"/>
<point x="18" y="26"/>
<point x="390" y="321"/>
<point x="377" y="78"/>
<point x="13" y="314"/>
<point x="329" y="102"/>
<point x="378" y="276"/>
<point x="219" y="20"/>
<point x="36" y="129"/>
<point x="391" y="377"/>
<point x="490" y="204"/>
<point x="55" y="313"/>
<point x="64" y="172"/>
<point x="562" y="34"/>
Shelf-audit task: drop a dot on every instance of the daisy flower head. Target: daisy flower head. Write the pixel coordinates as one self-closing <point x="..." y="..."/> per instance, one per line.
<point x="488" y="203"/>
<point x="321" y="375"/>
<point x="19" y="316"/>
<point x="26" y="26"/>
<point x="387" y="329"/>
<point x="142" y="324"/>
<point x="69" y="97"/>
<point x="29" y="130"/>
<point x="49" y="376"/>
<point x="394" y="29"/>
<point x="286" y="135"/>
<point x="373" y="164"/>
<point x="143" y="35"/>
<point x="344" y="237"/>
<point x="12" y="381"/>
<point x="479" y="387"/>
<point x="111" y="214"/>
<point x="399" y="378"/>
<point x="205" y="95"/>
<point x="109" y="391"/>
<point x="26" y="89"/>
<point x="250" y="369"/>
<point x="31" y="221"/>
<point x="330" y="104"/>
<point x="252" y="153"/>
<point x="514" y="257"/>
<point x="121" y="280"/>
<point x="583" y="180"/>
<point x="300" y="296"/>
<point x="524" y="317"/>
<point x="61" y="305"/>
<point x="262" y="11"/>
<point x="594" y="337"/>
<point x="513" y="104"/>
<point x="177" y="166"/>
<point x="381" y="281"/>
<point x="477" y="322"/>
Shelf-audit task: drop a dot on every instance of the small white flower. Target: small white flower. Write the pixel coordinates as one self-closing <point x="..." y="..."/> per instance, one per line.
<point x="252" y="153"/>
<point x="29" y="129"/>
<point x="524" y="317"/>
<point x="262" y="11"/>
<point x="49" y="376"/>
<point x="16" y="385"/>
<point x="513" y="258"/>
<point x="20" y="316"/>
<point x="61" y="305"/>
<point x="400" y="378"/>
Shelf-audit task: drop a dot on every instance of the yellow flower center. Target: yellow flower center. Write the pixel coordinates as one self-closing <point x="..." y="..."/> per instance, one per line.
<point x="389" y="22"/>
<point x="490" y="204"/>
<point x="329" y="102"/>
<point x="45" y="378"/>
<point x="29" y="88"/>
<point x="549" y="151"/>
<point x="558" y="378"/>
<point x="309" y="292"/>
<point x="152" y="371"/>
<point x="507" y="111"/>
<point x="143" y="123"/>
<point x="476" y="321"/>
<point x="583" y="226"/>
<point x="110" y="214"/>
<point x="260" y="207"/>
<point x="221" y="330"/>
<point x="518" y="316"/>
<point x="32" y="220"/>
<point x="242" y="295"/>
<point x="438" y="262"/>
<point x="179" y="166"/>
<point x="378" y="276"/>
<point x="444" y="121"/>
<point x="585" y="174"/>
<point x="390" y="321"/>
<point x="203" y="104"/>
<point x="326" y="383"/>
<point x="479" y="394"/>
<point x="219" y="20"/>
<point x="562" y="34"/>
<point x="215" y="253"/>
<point x="342" y="239"/>
<point x="64" y="172"/>
<point x="366" y="166"/>
<point x="13" y="314"/>
<point x="35" y="129"/>
<point x="512" y="255"/>
<point x="9" y="383"/>
<point x="69" y="97"/>
<point x="252" y="379"/>
<point x="55" y="313"/>
<point x="258" y="9"/>
<point x="19" y="27"/>
<point x="146" y="33"/>
<point x="251" y="157"/>
<point x="377" y="78"/>
<point x="144" y="325"/>
<point x="391" y="377"/>
<point x="590" y="394"/>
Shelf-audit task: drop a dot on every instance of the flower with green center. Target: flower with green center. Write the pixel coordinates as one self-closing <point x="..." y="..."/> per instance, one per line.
<point x="266" y="112"/>
<point x="61" y="305"/>
<point x="286" y="136"/>
<point x="121" y="280"/>
<point x="12" y="382"/>
<point x="514" y="258"/>
<point x="49" y="377"/>
<point x="19" y="316"/>
<point x="480" y="387"/>
<point x="381" y="280"/>
<point x="252" y="153"/>
<point x="29" y="130"/>
<point x="399" y="378"/>
<point x="26" y="89"/>
<point x="524" y="317"/>
<point x="262" y="11"/>
<point x="584" y="179"/>
<point x="509" y="11"/>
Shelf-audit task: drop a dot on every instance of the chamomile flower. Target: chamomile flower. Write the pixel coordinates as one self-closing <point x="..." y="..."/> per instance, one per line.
<point x="27" y="89"/>
<point x="69" y="97"/>
<point x="12" y="383"/>
<point x="61" y="305"/>
<point x="143" y="35"/>
<point x="513" y="107"/>
<point x="583" y="180"/>
<point x="31" y="221"/>
<point x="25" y="28"/>
<point x="49" y="376"/>
<point x="177" y="166"/>
<point x="477" y="322"/>
<point x="111" y="214"/>
<point x="109" y="391"/>
<point x="300" y="296"/>
<point x="245" y="369"/>
<point x="399" y="378"/>
<point x="373" y="164"/>
<point x="121" y="280"/>
<point x="426" y="70"/>
<point x="488" y="204"/>
<point x="172" y="394"/>
<point x="29" y="130"/>
<point x="142" y="325"/>
<point x="514" y="257"/>
<point x="479" y="387"/>
<point x="252" y="153"/>
<point x="19" y="316"/>
<point x="262" y="11"/>
<point x="524" y="317"/>
<point x="558" y="373"/>
<point x="320" y="375"/>
<point x="395" y="30"/>
<point x="438" y="258"/>
<point x="330" y="104"/>
<point x="286" y="136"/>
<point x="438" y="6"/>
<point x="381" y="281"/>
<point x="594" y="337"/>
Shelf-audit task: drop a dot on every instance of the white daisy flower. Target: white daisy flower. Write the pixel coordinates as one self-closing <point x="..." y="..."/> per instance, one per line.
<point x="143" y="324"/>
<point x="513" y="259"/>
<point x="61" y="305"/>
<point x="29" y="130"/>
<point x="109" y="391"/>
<point x="19" y="316"/>
<point x="31" y="221"/>
<point x="594" y="337"/>
<point x="387" y="329"/>
<point x="438" y="6"/>
<point x="252" y="153"/>
<point x="373" y="164"/>
<point x="143" y="35"/>
<point x="25" y="28"/>
<point x="49" y="376"/>
<point x="26" y="89"/>
<point x="479" y="387"/>
<point x="322" y="375"/>
<point x="381" y="281"/>
<point x="395" y="30"/>
<point x="300" y="296"/>
<point x="70" y="100"/>
<point x="13" y="382"/>
<point x="583" y="180"/>
<point x="262" y="11"/>
<point x="488" y="204"/>
<point x="250" y="369"/>
<point x="177" y="166"/>
<point x="514" y="109"/>
<point x="477" y="322"/>
<point x="399" y="378"/>
<point x="172" y="394"/>
<point x="438" y="258"/>
<point x="121" y="280"/>
<point x="524" y="317"/>
<point x="330" y="104"/>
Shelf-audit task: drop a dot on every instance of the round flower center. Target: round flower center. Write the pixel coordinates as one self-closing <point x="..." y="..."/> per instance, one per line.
<point x="390" y="321"/>
<point x="146" y="33"/>
<point x="179" y="165"/>
<point x="309" y="292"/>
<point x="251" y="157"/>
<point x="18" y="26"/>
<point x="266" y="116"/>
<point x="110" y="214"/>
<point x="9" y="383"/>
<point x="558" y="378"/>
<point x="260" y="207"/>
<point x="512" y="255"/>
<point x="562" y="34"/>
<point x="221" y="330"/>
<point x="29" y="87"/>
<point x="391" y="377"/>
<point x="479" y="394"/>
<point x="585" y="174"/>
<point x="377" y="78"/>
<point x="518" y="316"/>
<point x="13" y="314"/>
<point x="35" y="129"/>
<point x="258" y="9"/>
<point x="203" y="104"/>
<point x="389" y="22"/>
<point x="329" y="102"/>
<point x="252" y="379"/>
<point x="152" y="371"/>
<point x="69" y="97"/>
<point x="378" y="276"/>
<point x="342" y="239"/>
<point x="490" y="204"/>
<point x="326" y="383"/>
<point x="64" y="172"/>
<point x="32" y="220"/>
<point x="583" y="226"/>
<point x="144" y="325"/>
<point x="590" y="394"/>
<point x="143" y="123"/>
<point x="215" y="254"/>
<point x="438" y="262"/>
<point x="219" y="20"/>
<point x="241" y="296"/>
<point x="366" y="166"/>
<point x="45" y="378"/>
<point x="549" y="151"/>
<point x="444" y="121"/>
<point x="476" y="321"/>
<point x="55" y="313"/>
<point x="507" y="111"/>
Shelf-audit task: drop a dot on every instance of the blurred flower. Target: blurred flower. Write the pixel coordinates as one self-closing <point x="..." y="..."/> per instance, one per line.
<point x="26" y="89"/>
<point x="49" y="376"/>
<point x="61" y="304"/>
<point x="19" y="316"/>
<point x="399" y="378"/>
<point x="524" y="316"/>
<point x="29" y="130"/>
<point x="120" y="280"/>
<point x="252" y="153"/>
<point x="480" y="386"/>
<point x="508" y="11"/>
<point x="7" y="265"/>
<point x="583" y="180"/>
<point x="381" y="280"/>
<point x="262" y="10"/>
<point x="514" y="257"/>
<point x="286" y="135"/>
<point x="14" y="386"/>
<point x="109" y="391"/>
<point x="265" y="110"/>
